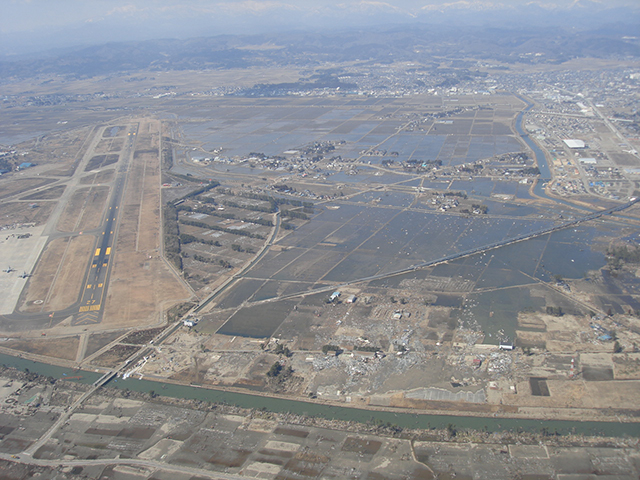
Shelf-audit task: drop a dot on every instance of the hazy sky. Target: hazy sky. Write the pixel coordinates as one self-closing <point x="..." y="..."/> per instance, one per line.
<point x="32" y="24"/>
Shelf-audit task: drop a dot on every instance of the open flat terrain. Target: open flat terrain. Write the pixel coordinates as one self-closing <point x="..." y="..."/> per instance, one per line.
<point x="370" y="250"/>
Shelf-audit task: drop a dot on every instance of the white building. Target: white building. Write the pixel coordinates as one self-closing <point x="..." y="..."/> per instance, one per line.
<point x="573" y="143"/>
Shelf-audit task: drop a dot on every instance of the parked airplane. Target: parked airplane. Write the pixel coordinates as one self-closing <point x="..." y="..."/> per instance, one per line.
<point x="9" y="269"/>
<point x="24" y="275"/>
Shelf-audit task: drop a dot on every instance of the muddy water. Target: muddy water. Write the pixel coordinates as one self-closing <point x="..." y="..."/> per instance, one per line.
<point x="406" y="420"/>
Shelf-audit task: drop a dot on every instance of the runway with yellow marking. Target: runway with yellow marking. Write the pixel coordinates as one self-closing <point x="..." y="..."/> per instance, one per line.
<point x="97" y="278"/>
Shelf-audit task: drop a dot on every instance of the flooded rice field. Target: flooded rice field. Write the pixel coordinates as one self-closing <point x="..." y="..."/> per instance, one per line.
<point x="257" y="321"/>
<point x="349" y="241"/>
<point x="276" y="126"/>
<point x="390" y="220"/>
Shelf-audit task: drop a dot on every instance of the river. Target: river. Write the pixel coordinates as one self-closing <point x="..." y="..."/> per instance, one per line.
<point x="541" y="160"/>
<point x="401" y="419"/>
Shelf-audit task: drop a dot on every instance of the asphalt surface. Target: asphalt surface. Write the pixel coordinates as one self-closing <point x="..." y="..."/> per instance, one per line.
<point x="90" y="305"/>
<point x="99" y="270"/>
<point x="94" y="291"/>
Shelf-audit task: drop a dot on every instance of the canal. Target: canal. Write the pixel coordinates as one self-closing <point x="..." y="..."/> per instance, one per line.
<point x="541" y="160"/>
<point x="333" y="412"/>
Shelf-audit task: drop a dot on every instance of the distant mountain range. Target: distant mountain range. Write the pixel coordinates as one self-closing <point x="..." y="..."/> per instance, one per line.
<point x="69" y="23"/>
<point x="414" y="43"/>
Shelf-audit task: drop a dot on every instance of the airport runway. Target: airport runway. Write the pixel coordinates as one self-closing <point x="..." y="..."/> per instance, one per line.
<point x="98" y="272"/>
<point x="90" y="305"/>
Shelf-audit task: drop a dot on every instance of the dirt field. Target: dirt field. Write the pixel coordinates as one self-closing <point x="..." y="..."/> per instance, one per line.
<point x="116" y="355"/>
<point x="18" y="186"/>
<point x="68" y="280"/>
<point x="43" y="277"/>
<point x="24" y="212"/>
<point x="104" y="176"/>
<point x="64" y="348"/>
<point x="57" y="279"/>
<point x="141" y="337"/>
<point x="100" y="340"/>
<point x="84" y="210"/>
<point x="146" y="171"/>
<point x="51" y="193"/>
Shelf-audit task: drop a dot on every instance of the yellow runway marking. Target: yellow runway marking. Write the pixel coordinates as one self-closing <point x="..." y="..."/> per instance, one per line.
<point x="91" y="308"/>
